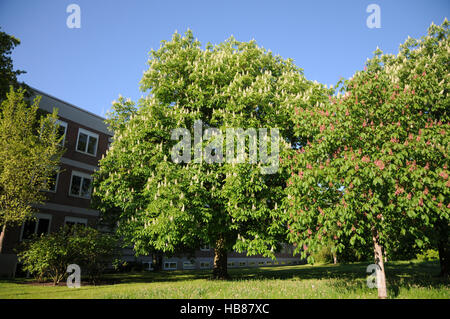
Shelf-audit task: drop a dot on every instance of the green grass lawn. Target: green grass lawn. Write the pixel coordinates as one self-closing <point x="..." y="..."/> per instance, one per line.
<point x="404" y="279"/>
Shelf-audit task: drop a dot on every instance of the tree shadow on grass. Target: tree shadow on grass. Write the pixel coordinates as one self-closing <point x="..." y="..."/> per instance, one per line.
<point x="347" y="276"/>
<point x="301" y="272"/>
<point x="354" y="276"/>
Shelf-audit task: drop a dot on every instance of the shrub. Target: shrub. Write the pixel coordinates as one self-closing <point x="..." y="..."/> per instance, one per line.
<point x="323" y="256"/>
<point x="96" y="251"/>
<point x="128" y="266"/>
<point x="49" y="255"/>
<point x="46" y="256"/>
<point x="428" y="255"/>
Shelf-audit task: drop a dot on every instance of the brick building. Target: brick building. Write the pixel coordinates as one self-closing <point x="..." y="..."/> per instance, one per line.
<point x="86" y="140"/>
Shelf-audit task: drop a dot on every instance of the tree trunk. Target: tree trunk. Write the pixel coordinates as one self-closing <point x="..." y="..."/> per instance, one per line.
<point x="220" y="260"/>
<point x="381" y="277"/>
<point x="334" y="258"/>
<point x="157" y="261"/>
<point x="444" y="249"/>
<point x="2" y="237"/>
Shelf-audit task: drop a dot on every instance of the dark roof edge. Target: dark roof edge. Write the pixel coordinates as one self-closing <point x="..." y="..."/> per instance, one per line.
<point x="67" y="103"/>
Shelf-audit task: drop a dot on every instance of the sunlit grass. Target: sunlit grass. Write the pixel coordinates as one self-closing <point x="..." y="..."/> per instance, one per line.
<point x="405" y="280"/>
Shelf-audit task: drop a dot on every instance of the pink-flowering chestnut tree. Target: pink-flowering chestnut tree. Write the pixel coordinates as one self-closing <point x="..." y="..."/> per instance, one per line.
<point x="374" y="167"/>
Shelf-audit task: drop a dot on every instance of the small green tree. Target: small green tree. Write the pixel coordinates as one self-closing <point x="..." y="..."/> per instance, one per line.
<point x="48" y="255"/>
<point x="93" y="250"/>
<point x="29" y="152"/>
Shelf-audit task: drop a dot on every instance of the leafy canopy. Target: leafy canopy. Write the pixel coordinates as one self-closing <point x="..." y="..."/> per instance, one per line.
<point x="164" y="205"/>
<point x="29" y="154"/>
<point x="376" y="158"/>
<point x="8" y="76"/>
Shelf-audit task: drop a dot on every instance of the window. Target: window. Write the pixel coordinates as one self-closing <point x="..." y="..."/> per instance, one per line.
<point x="252" y="263"/>
<point x="205" y="248"/>
<point x="62" y="130"/>
<point x="188" y="265"/>
<point x="170" y="265"/>
<point x="87" y="142"/>
<point x="242" y="264"/>
<point x="275" y="262"/>
<point x="261" y="263"/>
<point x="53" y="183"/>
<point x="80" y="185"/>
<point x="231" y="264"/>
<point x="70" y="221"/>
<point x="147" y="265"/>
<point x="38" y="226"/>
<point x="268" y="263"/>
<point x="205" y="264"/>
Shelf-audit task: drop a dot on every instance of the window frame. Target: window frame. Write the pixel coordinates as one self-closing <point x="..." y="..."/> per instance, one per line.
<point x="56" y="181"/>
<point x="149" y="265"/>
<point x="76" y="220"/>
<point x="63" y="124"/>
<point x="38" y="216"/>
<point x="189" y="265"/>
<point x="83" y="176"/>
<point x="170" y="268"/>
<point x="202" y="248"/>
<point x="205" y="264"/>
<point x="89" y="134"/>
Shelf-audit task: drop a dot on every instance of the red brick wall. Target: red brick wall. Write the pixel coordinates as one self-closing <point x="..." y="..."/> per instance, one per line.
<point x="62" y="197"/>
<point x="70" y="143"/>
<point x="12" y="236"/>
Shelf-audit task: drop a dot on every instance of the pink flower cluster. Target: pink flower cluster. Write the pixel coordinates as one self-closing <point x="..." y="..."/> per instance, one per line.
<point x="380" y="164"/>
<point x="443" y="174"/>
<point x="399" y="190"/>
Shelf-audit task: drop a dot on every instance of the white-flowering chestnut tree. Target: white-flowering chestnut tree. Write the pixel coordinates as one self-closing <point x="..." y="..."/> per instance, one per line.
<point x="170" y="172"/>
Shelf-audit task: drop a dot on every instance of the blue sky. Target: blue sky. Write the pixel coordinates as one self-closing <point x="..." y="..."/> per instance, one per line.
<point x="92" y="65"/>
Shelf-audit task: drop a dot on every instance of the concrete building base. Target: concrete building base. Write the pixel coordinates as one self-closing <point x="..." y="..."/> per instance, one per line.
<point x="8" y="264"/>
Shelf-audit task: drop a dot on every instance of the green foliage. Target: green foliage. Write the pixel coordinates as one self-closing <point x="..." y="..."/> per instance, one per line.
<point x="121" y="112"/>
<point x="8" y="76"/>
<point x="324" y="255"/>
<point x="29" y="153"/>
<point x="375" y="160"/>
<point x="428" y="255"/>
<point x="128" y="266"/>
<point x="49" y="255"/>
<point x="163" y="205"/>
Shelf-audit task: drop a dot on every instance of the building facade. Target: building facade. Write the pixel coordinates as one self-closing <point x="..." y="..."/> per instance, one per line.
<point x="204" y="259"/>
<point x="86" y="139"/>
